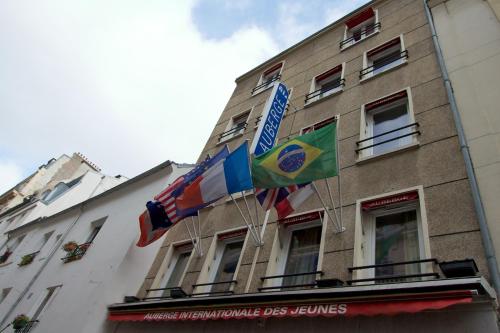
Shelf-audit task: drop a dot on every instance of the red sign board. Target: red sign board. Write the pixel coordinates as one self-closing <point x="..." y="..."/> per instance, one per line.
<point x="391" y="200"/>
<point x="305" y="310"/>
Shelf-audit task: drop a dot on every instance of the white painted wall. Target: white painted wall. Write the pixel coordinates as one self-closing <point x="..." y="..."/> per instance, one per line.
<point x="469" y="34"/>
<point x="112" y="267"/>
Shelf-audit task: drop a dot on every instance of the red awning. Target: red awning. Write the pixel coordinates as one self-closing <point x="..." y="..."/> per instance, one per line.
<point x="390" y="200"/>
<point x="338" y="309"/>
<point x="386" y="100"/>
<point x="360" y="18"/>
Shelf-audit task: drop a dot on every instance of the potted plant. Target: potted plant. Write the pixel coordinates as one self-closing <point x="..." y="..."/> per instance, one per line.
<point x="70" y="246"/>
<point x="26" y="259"/>
<point x="5" y="256"/>
<point x="20" y="321"/>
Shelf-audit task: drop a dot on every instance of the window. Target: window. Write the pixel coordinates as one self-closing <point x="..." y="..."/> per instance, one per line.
<point x="235" y="127"/>
<point x="387" y="124"/>
<point x="297" y="252"/>
<point x="223" y="258"/>
<point x="383" y="58"/>
<point x="268" y="77"/>
<point x="392" y="230"/>
<point x="11" y="246"/>
<point x="45" y="239"/>
<point x="5" y="293"/>
<point x="326" y="84"/>
<point x="359" y="27"/>
<point x="42" y="303"/>
<point x="59" y="190"/>
<point x="318" y="125"/>
<point x="178" y="261"/>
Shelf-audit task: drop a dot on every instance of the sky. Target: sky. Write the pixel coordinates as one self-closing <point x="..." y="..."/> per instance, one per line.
<point x="131" y="84"/>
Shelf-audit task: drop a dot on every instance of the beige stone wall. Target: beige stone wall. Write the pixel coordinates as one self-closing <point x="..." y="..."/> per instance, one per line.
<point x="436" y="163"/>
<point x="469" y="34"/>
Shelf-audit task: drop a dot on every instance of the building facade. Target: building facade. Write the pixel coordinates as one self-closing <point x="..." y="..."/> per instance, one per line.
<point x="68" y="291"/>
<point x="404" y="204"/>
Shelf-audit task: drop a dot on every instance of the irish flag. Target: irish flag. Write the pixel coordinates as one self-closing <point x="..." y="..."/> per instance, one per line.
<point x="227" y="176"/>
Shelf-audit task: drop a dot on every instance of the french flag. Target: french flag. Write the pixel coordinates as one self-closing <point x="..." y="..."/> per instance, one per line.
<point x="227" y="176"/>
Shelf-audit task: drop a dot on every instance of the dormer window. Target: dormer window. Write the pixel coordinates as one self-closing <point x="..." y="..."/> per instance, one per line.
<point x="326" y="84"/>
<point x="383" y="58"/>
<point x="268" y="77"/>
<point x="359" y="27"/>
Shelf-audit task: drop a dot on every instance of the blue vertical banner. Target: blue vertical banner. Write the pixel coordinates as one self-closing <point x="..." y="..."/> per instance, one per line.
<point x="269" y="125"/>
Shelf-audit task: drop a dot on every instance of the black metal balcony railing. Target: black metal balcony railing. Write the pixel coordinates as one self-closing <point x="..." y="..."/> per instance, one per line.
<point x="28" y="258"/>
<point x="232" y="131"/>
<point x="172" y="290"/>
<point x="394" y="277"/>
<point x="27" y="328"/>
<point x="266" y="83"/>
<point x="77" y="253"/>
<point x="225" y="292"/>
<point x="318" y="93"/>
<point x="384" y="62"/>
<point x="365" y="32"/>
<point x="415" y="132"/>
<point x="302" y="285"/>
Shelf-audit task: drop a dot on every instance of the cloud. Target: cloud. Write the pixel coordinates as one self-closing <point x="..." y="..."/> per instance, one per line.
<point x="129" y="85"/>
<point x="10" y="175"/>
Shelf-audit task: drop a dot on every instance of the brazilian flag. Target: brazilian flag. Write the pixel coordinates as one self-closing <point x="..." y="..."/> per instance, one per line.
<point x="301" y="160"/>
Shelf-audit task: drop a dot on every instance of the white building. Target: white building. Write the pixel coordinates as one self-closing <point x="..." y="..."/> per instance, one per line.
<point x="70" y="292"/>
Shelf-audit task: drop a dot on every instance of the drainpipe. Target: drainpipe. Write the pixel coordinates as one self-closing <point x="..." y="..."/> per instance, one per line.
<point x="56" y="247"/>
<point x="464" y="147"/>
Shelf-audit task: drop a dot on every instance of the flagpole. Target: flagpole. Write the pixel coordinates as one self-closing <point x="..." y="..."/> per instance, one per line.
<point x="324" y="206"/>
<point x="338" y="167"/>
<point x="250" y="215"/>
<point x="197" y="239"/>
<point x="195" y="245"/>
<point x="199" y="233"/>
<point x="257" y="217"/>
<point x="256" y="228"/>
<point x="256" y="239"/>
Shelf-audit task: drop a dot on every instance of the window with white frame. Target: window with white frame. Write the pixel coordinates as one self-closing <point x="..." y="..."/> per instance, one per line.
<point x="383" y="58"/>
<point x="43" y="303"/>
<point x="268" y="77"/>
<point x="326" y="84"/>
<point x="387" y="124"/>
<point x="392" y="232"/>
<point x="178" y="261"/>
<point x="359" y="27"/>
<point x="4" y="294"/>
<point x="235" y="127"/>
<point x="317" y="125"/>
<point x="58" y="190"/>
<point x="297" y="252"/>
<point x="223" y="260"/>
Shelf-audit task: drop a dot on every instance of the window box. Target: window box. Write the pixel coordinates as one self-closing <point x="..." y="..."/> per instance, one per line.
<point x="326" y="84"/>
<point x="383" y="58"/>
<point x="459" y="268"/>
<point x="28" y="259"/>
<point x="360" y="27"/>
<point x="387" y="125"/>
<point x="235" y="127"/>
<point x="268" y="77"/>
<point x="77" y="253"/>
<point x="391" y="239"/>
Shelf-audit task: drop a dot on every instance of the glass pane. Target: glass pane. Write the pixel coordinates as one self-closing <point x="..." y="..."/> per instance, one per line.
<point x="389" y="120"/>
<point x="175" y="277"/>
<point x="386" y="62"/>
<point x="303" y="256"/>
<point x="227" y="266"/>
<point x="396" y="240"/>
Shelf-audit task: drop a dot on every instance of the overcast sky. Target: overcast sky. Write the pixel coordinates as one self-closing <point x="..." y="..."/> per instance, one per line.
<point x="131" y="84"/>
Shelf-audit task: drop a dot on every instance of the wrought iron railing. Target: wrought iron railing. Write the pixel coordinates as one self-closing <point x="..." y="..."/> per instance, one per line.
<point x="266" y="83"/>
<point x="175" y="289"/>
<point x="232" y="131"/>
<point x="385" y="62"/>
<point x="415" y="132"/>
<point x="224" y="292"/>
<point x="77" y="253"/>
<point x="301" y="285"/>
<point x="28" y="258"/>
<point x="317" y="93"/>
<point x="365" y="32"/>
<point x="29" y="325"/>
<point x="394" y="277"/>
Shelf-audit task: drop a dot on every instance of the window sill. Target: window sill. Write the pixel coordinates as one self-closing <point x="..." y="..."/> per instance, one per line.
<point x="311" y="103"/>
<point x="258" y="91"/>
<point x="345" y="47"/>
<point x="6" y="264"/>
<point x="388" y="153"/>
<point x="225" y="140"/>
<point x="368" y="78"/>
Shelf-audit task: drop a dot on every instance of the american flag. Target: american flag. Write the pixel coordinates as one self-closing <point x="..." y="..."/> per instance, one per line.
<point x="167" y="199"/>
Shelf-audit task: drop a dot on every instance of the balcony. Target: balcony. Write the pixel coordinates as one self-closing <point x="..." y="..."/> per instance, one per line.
<point x="228" y="284"/>
<point x="264" y="85"/>
<point x="28" y="259"/>
<point x="384" y="65"/>
<point x="29" y="325"/>
<point x="239" y="129"/>
<point x="383" y="139"/>
<point x="325" y="91"/>
<point x="360" y="35"/>
<point x="290" y="286"/>
<point x="77" y="253"/>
